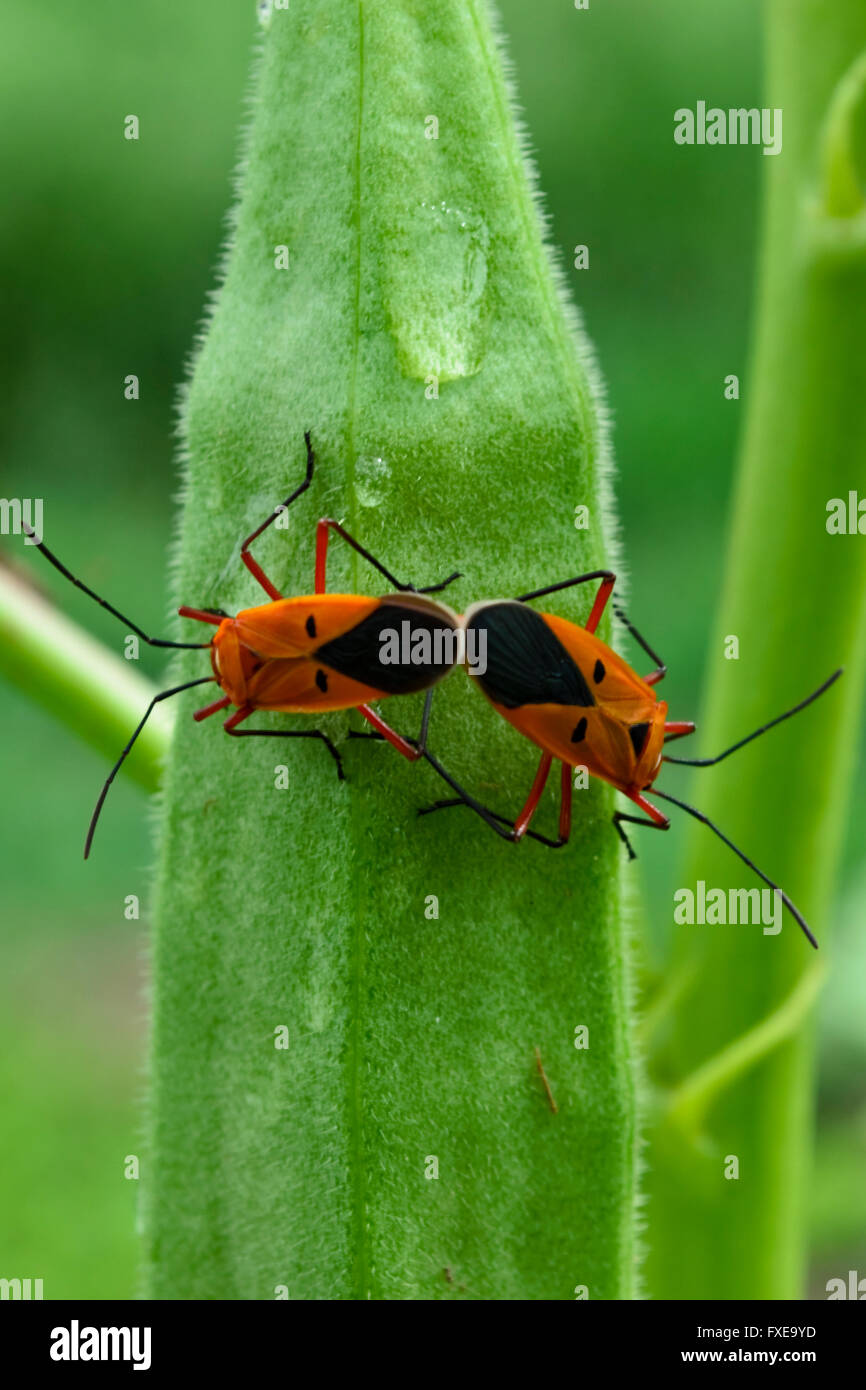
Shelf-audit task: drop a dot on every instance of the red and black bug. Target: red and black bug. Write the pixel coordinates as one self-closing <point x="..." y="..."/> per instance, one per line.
<point x="584" y="706"/>
<point x="310" y="654"/>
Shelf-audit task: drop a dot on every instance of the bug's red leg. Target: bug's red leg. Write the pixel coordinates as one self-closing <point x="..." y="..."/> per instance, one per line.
<point x="202" y="615"/>
<point x="253" y="565"/>
<point x="565" y="804"/>
<point x="420" y="743"/>
<point x="501" y="824"/>
<point x="655" y="819"/>
<point x="657" y="816"/>
<point x="605" y="589"/>
<point x="678" y="729"/>
<point x="322" y="536"/>
<point x="608" y="579"/>
<point x="208" y="710"/>
<point x="258" y="574"/>
<point x="396" y="740"/>
<point x="327" y="524"/>
<point x="243" y="712"/>
<point x="521" y="825"/>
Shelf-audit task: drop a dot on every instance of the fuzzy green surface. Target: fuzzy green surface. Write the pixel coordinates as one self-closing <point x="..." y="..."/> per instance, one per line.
<point x="409" y="1037"/>
<point x="796" y="598"/>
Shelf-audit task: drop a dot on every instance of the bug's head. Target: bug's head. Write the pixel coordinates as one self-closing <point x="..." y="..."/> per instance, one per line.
<point x="234" y="663"/>
<point x="647" y="738"/>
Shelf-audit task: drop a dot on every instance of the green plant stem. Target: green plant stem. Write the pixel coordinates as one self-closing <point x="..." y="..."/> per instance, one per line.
<point x="86" y="687"/>
<point x="689" y="1103"/>
<point x="415" y="964"/>
<point x="795" y="596"/>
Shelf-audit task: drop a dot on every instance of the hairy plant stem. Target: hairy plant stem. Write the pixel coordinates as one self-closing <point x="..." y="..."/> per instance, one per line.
<point x="85" y="686"/>
<point x="728" y="1215"/>
<point x="402" y="1144"/>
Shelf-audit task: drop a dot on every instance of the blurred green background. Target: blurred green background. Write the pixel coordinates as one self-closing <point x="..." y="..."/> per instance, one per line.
<point x="108" y="254"/>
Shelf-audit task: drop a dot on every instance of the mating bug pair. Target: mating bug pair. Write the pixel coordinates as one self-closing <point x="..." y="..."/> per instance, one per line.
<point x="557" y="683"/>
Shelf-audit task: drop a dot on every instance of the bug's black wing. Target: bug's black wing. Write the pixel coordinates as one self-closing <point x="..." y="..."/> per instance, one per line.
<point x="526" y="662"/>
<point x="358" y="652"/>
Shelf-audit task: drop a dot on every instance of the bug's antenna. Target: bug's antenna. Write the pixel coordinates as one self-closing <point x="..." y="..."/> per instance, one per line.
<point x="163" y="695"/>
<point x="780" y="718"/>
<point x="103" y="603"/>
<point x="705" y="820"/>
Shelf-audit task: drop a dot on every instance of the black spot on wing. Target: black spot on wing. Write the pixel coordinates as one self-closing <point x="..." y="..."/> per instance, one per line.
<point x="310" y="625"/>
<point x="322" y="681"/>
<point x="526" y="662"/>
<point x="358" y="652"/>
<point x="637" y="733"/>
<point x="598" y="672"/>
<point x="579" y="731"/>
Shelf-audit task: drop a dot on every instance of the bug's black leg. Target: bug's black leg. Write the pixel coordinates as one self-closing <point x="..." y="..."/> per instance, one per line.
<point x="608" y="579"/>
<point x="103" y="603"/>
<point x="328" y="524"/>
<point x="324" y="526"/>
<point x="780" y="719"/>
<point x="500" y="824"/>
<point x="607" y="575"/>
<point x="437" y="588"/>
<point x="163" y="695"/>
<point x="750" y="863"/>
<point x="605" y="589"/>
<point x="619" y="816"/>
<point x="421" y="741"/>
<point x="252" y="565"/>
<point x="495" y="822"/>
<point x="654" y="818"/>
<point x="659" y="673"/>
<point x="448" y="802"/>
<point x="291" y="733"/>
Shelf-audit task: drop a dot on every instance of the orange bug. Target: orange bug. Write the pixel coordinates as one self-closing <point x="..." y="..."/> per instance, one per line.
<point x="310" y="654"/>
<point x="582" y="704"/>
